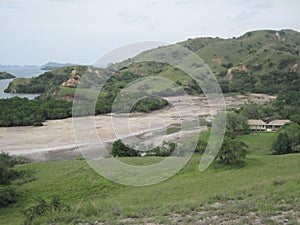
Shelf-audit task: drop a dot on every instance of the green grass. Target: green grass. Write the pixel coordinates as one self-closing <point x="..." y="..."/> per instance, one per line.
<point x="267" y="185"/>
<point x="66" y="91"/>
<point x="142" y="161"/>
<point x="204" y="136"/>
<point x="259" y="143"/>
<point x="173" y="129"/>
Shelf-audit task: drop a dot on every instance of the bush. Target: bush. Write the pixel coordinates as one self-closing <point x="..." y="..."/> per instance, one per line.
<point x="149" y="104"/>
<point x="8" y="196"/>
<point x="288" y="140"/>
<point x="281" y="144"/>
<point x="232" y="152"/>
<point x="41" y="207"/>
<point x="237" y="123"/>
<point x="167" y="149"/>
<point x="201" y="146"/>
<point x="7" y="174"/>
<point x="7" y="162"/>
<point x="119" y="149"/>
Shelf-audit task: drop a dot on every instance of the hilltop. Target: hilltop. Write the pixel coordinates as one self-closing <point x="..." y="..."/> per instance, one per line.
<point x="257" y="50"/>
<point x="54" y="65"/>
<point x="264" y="61"/>
<point x="5" y="75"/>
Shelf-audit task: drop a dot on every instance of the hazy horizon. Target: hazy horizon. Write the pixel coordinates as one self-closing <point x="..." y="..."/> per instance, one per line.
<point x="76" y="31"/>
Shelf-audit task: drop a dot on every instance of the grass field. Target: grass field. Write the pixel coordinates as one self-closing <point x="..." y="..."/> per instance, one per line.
<point x="259" y="143"/>
<point x="264" y="191"/>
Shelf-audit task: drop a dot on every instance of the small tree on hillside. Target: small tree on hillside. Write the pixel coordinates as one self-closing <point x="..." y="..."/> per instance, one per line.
<point x="232" y="152"/>
<point x="119" y="149"/>
<point x="288" y="139"/>
<point x="237" y="123"/>
<point x="281" y="144"/>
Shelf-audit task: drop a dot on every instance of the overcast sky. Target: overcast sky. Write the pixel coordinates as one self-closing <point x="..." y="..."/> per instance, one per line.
<point x="81" y="31"/>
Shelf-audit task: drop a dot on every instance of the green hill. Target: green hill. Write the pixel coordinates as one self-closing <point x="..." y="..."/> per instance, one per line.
<point x="47" y="82"/>
<point x="250" y="48"/>
<point x="265" y="61"/>
<point x="5" y="75"/>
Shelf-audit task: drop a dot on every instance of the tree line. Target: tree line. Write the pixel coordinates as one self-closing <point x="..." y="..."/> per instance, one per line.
<point x="23" y="112"/>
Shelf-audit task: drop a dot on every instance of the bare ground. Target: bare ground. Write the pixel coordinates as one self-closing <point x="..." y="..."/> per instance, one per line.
<point x="57" y="140"/>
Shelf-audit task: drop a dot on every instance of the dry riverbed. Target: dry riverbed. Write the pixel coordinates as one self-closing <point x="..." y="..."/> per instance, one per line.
<point x="56" y="139"/>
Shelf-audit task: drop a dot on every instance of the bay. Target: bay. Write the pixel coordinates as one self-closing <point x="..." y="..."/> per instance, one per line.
<point x="19" y="72"/>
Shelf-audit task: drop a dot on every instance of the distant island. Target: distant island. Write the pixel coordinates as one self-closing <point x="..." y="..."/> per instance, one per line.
<point x="16" y="67"/>
<point x="5" y="75"/>
<point x="54" y="65"/>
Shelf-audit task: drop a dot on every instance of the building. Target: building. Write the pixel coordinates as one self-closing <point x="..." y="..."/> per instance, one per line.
<point x="259" y="125"/>
<point x="276" y="124"/>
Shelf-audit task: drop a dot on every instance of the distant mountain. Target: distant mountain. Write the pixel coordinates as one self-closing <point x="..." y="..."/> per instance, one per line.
<point x="13" y="67"/>
<point x="5" y="75"/>
<point x="55" y="65"/>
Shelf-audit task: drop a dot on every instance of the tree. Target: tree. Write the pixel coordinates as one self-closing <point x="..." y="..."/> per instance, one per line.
<point x="7" y="174"/>
<point x="259" y="87"/>
<point x="119" y="149"/>
<point x="281" y="144"/>
<point x="254" y="111"/>
<point x="201" y="146"/>
<point x="8" y="194"/>
<point x="167" y="149"/>
<point x="237" y="123"/>
<point x="288" y="139"/>
<point x="232" y="152"/>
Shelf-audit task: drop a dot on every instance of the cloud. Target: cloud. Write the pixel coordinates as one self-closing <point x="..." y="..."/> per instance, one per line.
<point x="83" y="30"/>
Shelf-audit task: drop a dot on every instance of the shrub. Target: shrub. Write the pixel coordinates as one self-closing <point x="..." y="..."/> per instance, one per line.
<point x="232" y="152"/>
<point x="237" y="123"/>
<point x="8" y="196"/>
<point x="281" y="144"/>
<point x="7" y="174"/>
<point x="41" y="207"/>
<point x="201" y="146"/>
<point x="119" y="149"/>
<point x="149" y="104"/>
<point x="167" y="149"/>
<point x="288" y="140"/>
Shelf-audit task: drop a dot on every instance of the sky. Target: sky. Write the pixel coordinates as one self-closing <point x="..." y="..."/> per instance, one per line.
<point x="81" y="31"/>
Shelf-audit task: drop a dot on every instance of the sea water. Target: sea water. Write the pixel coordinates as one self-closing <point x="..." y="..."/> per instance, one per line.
<point x="19" y="72"/>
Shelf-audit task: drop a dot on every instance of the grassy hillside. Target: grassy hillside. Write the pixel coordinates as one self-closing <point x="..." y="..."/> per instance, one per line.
<point x="265" y="61"/>
<point x="47" y="82"/>
<point x="265" y="191"/>
<point x="248" y="49"/>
